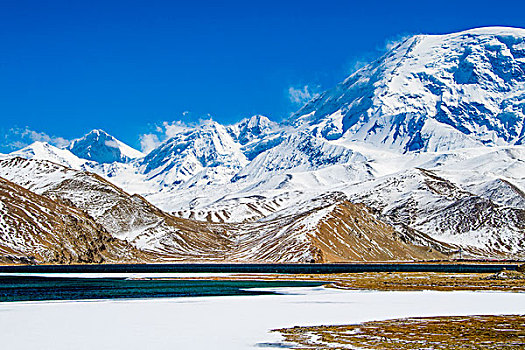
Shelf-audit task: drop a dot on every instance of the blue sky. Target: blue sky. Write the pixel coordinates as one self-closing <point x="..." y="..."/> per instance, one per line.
<point x="67" y="67"/>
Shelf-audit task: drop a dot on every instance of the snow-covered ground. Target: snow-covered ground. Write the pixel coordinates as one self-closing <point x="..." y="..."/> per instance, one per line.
<point x="224" y="322"/>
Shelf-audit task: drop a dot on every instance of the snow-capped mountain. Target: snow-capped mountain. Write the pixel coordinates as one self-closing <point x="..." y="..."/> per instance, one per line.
<point x="101" y="147"/>
<point x="95" y="149"/>
<point x="256" y="135"/>
<point x="198" y="156"/>
<point x="430" y="93"/>
<point x="413" y="156"/>
<point x="444" y="210"/>
<point x="299" y="152"/>
<point x="249" y="129"/>
<point x="45" y="151"/>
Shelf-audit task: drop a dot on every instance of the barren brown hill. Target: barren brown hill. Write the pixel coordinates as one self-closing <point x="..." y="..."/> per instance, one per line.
<point x="335" y="230"/>
<point x="124" y="216"/>
<point x="36" y="229"/>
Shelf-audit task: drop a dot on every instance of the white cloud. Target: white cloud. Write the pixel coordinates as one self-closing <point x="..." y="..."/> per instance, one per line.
<point x="171" y="129"/>
<point x="356" y="63"/>
<point x="301" y="95"/>
<point x="43" y="137"/>
<point x="112" y="143"/>
<point x="17" y="138"/>
<point x="149" y="142"/>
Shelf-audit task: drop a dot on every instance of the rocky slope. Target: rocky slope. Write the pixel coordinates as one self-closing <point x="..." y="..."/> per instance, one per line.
<point x="428" y="203"/>
<point x="332" y="229"/>
<point x="127" y="217"/>
<point x="327" y="229"/>
<point x="35" y="229"/>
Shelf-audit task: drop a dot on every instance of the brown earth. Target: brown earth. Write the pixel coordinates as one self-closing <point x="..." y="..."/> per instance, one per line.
<point x="37" y="229"/>
<point x="454" y="332"/>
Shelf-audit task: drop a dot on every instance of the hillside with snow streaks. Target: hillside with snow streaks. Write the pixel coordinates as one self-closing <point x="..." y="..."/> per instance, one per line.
<point x="423" y="147"/>
<point x="443" y="210"/>
<point x="36" y="229"/>
<point x="154" y="235"/>
<point x="127" y="217"/>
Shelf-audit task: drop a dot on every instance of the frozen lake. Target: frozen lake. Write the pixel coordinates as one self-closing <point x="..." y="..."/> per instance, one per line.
<point x="224" y="322"/>
<point x="64" y="287"/>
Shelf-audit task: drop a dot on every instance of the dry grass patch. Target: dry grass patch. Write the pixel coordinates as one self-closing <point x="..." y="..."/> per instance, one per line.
<point x="511" y="281"/>
<point x="507" y="281"/>
<point x="456" y="332"/>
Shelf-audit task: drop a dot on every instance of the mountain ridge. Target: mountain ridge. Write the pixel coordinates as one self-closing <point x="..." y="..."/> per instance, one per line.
<point x="428" y="137"/>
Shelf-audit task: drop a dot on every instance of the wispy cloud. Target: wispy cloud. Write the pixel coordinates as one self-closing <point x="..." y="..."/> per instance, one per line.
<point x="16" y="138"/>
<point x="392" y="42"/>
<point x="301" y="95"/>
<point x="148" y="142"/>
<point x="171" y="129"/>
<point x="164" y="131"/>
<point x="365" y="58"/>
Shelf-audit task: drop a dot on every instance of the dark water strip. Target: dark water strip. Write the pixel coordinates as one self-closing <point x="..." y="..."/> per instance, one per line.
<point x="17" y="288"/>
<point x="260" y="268"/>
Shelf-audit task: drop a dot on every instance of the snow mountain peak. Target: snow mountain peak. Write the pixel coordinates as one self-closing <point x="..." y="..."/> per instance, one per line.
<point x="99" y="146"/>
<point x="430" y="93"/>
<point x="256" y="135"/>
<point x="252" y="128"/>
<point x="204" y="153"/>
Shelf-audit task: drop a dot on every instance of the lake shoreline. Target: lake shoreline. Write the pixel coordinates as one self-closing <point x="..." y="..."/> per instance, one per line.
<point x="449" y="267"/>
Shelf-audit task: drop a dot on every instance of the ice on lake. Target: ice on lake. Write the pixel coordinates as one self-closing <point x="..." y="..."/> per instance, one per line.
<point x="238" y="322"/>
